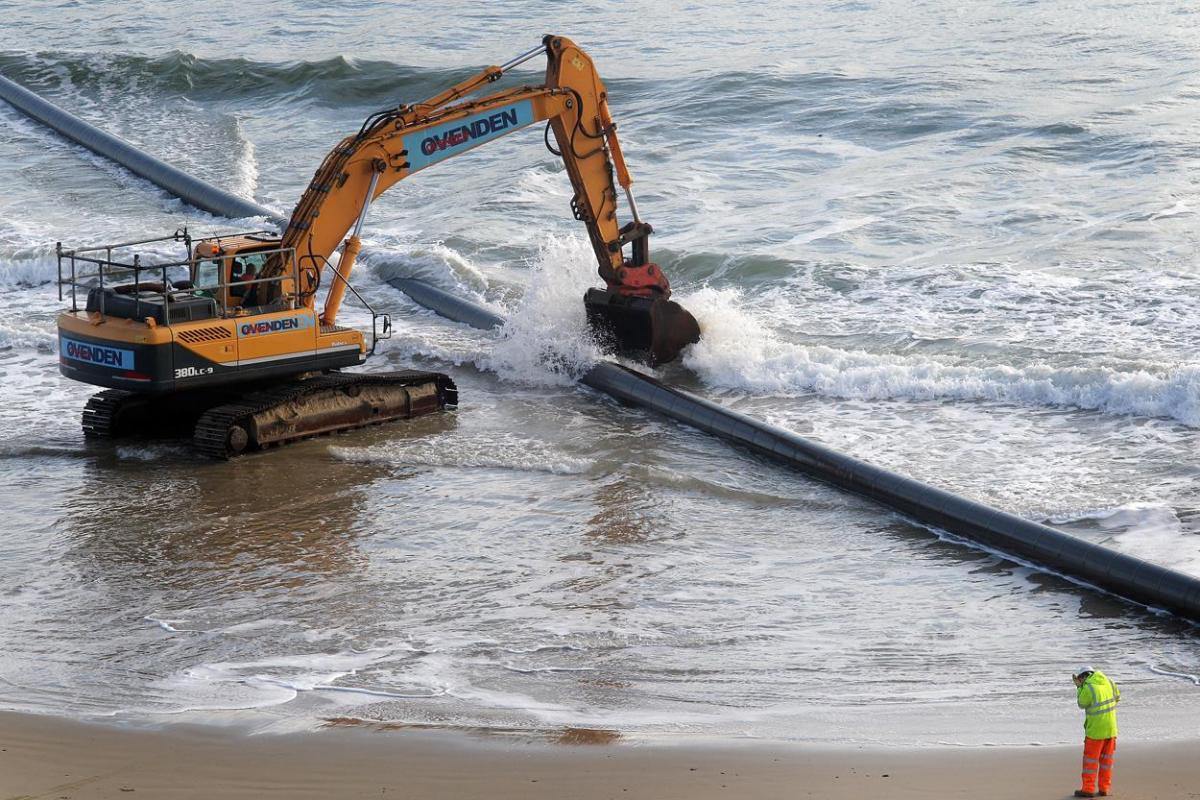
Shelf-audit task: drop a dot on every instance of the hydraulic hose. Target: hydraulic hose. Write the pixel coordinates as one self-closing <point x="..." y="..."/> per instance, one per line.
<point x="1030" y="542"/>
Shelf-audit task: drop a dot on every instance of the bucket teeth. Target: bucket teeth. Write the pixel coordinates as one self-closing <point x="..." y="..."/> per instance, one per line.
<point x="652" y="330"/>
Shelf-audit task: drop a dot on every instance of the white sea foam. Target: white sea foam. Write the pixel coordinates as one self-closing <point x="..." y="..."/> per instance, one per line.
<point x="492" y="451"/>
<point x="545" y="670"/>
<point x="22" y="334"/>
<point x="830" y="229"/>
<point x="374" y="693"/>
<point x="546" y="338"/>
<point x="1172" y="674"/>
<point x="27" y="266"/>
<point x="169" y="625"/>
<point x="738" y="352"/>
<point x="539" y="187"/>
<point x="245" y="176"/>
<point x="1147" y="530"/>
<point x="1144" y="516"/>
<point x="231" y="685"/>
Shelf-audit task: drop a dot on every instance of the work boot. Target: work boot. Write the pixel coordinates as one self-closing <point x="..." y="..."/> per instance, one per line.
<point x="1082" y="793"/>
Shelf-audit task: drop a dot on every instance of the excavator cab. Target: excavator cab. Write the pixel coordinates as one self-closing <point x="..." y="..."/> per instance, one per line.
<point x="231" y="270"/>
<point x="230" y="280"/>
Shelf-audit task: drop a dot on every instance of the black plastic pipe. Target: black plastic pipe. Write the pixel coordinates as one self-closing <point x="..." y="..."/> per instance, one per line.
<point x="1039" y="545"/>
<point x="448" y="305"/>
<point x="201" y="194"/>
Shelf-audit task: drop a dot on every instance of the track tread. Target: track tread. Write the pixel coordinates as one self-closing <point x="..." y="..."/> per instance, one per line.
<point x="100" y="413"/>
<point x="211" y="434"/>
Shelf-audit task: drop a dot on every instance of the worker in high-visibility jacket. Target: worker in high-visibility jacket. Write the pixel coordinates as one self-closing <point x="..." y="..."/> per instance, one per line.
<point x="1098" y="697"/>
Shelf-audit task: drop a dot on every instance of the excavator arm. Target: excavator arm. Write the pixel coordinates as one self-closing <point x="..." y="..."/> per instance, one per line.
<point x="633" y="312"/>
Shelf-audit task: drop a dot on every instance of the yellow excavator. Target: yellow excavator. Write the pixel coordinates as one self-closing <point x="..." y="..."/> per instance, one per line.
<point x="227" y="342"/>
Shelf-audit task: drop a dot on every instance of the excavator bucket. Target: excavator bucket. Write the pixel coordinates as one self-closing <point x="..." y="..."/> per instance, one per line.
<point x="652" y="330"/>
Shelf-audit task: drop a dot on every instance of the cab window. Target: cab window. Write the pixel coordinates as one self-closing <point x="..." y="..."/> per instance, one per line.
<point x="208" y="275"/>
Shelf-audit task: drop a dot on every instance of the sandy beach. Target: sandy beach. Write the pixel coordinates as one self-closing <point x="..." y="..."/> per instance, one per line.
<point x="943" y="254"/>
<point x="44" y="757"/>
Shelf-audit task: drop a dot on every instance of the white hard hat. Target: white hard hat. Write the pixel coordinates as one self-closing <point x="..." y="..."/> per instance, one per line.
<point x="1084" y="670"/>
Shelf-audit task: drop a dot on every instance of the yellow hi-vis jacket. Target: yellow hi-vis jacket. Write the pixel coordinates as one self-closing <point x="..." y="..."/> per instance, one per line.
<point x="1098" y="697"/>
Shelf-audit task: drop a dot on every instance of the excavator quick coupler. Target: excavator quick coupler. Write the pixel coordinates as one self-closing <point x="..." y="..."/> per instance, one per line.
<point x="649" y="329"/>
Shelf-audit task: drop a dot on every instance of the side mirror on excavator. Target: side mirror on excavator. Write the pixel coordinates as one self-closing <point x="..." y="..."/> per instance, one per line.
<point x="383" y="326"/>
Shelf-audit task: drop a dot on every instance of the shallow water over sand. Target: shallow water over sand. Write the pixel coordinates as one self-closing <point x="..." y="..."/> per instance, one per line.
<point x="954" y="243"/>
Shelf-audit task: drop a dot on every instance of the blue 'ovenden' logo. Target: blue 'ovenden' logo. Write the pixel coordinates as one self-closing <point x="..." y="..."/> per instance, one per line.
<point x="258" y="328"/>
<point x="98" y="354"/>
<point x="442" y="141"/>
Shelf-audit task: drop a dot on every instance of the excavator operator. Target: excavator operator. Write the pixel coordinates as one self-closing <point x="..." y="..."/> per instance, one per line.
<point x="245" y="287"/>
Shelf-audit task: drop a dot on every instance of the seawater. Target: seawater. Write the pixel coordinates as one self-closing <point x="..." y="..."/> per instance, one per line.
<point x="955" y="241"/>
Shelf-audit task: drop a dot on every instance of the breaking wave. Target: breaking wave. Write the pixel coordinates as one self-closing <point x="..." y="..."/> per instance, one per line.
<point x="27" y="266"/>
<point x="27" y="336"/>
<point x="337" y="80"/>
<point x="546" y="337"/>
<point x="737" y="352"/>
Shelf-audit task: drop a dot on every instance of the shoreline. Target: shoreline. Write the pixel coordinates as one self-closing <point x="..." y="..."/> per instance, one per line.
<point x="51" y="757"/>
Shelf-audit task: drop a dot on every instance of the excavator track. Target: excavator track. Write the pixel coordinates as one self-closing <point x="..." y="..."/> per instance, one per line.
<point x="105" y="412"/>
<point x="324" y="404"/>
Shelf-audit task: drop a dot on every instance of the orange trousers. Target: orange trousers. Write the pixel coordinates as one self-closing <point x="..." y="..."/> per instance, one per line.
<point x="1098" y="757"/>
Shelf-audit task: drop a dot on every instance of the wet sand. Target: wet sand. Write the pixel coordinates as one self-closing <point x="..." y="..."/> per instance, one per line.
<point x="44" y="757"/>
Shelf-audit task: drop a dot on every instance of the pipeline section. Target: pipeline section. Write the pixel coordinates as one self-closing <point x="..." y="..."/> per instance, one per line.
<point x="201" y="194"/>
<point x="1038" y="545"/>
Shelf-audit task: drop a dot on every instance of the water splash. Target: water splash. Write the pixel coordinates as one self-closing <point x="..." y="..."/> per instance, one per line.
<point x="436" y="263"/>
<point x="738" y="351"/>
<point x="245" y="173"/>
<point x="546" y="339"/>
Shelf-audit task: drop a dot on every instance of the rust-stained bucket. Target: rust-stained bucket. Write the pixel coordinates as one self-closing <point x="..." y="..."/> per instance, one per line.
<point x="652" y="330"/>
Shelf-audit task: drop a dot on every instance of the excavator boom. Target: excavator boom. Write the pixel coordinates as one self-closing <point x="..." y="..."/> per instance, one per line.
<point x="633" y="311"/>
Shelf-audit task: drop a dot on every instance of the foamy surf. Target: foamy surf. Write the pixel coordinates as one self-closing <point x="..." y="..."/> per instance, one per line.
<point x="1147" y="530"/>
<point x="546" y="337"/>
<point x="493" y="450"/>
<point x="230" y="685"/>
<point x="737" y="351"/>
